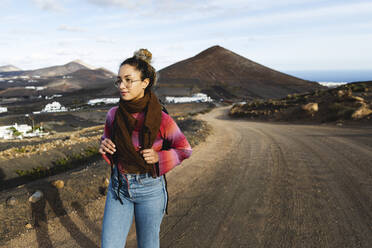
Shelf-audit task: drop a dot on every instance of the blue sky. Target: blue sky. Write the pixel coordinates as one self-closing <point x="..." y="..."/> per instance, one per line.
<point x="285" y="35"/>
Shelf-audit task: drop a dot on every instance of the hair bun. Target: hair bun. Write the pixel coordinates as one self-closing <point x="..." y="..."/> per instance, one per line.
<point x="143" y="54"/>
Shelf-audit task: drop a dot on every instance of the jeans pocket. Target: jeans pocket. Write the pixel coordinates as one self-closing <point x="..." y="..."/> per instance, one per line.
<point x="149" y="181"/>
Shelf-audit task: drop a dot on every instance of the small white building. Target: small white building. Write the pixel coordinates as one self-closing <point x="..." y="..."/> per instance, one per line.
<point x="20" y="131"/>
<point x="51" y="97"/>
<point x="112" y="100"/>
<point x="54" y="107"/>
<point x="3" y="109"/>
<point x="35" y="88"/>
<point x="198" y="97"/>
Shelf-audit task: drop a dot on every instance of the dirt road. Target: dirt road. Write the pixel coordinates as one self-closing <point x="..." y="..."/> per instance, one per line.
<point x="253" y="185"/>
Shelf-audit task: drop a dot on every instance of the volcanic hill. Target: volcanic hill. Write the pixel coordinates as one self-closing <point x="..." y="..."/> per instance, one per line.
<point x="222" y="73"/>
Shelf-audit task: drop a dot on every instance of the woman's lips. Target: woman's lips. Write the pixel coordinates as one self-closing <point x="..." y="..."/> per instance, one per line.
<point x="123" y="93"/>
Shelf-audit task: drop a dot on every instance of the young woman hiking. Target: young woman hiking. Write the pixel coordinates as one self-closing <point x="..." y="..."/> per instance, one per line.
<point x="141" y="143"/>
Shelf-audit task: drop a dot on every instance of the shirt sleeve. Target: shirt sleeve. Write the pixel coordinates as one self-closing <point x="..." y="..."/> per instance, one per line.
<point x="108" y="124"/>
<point x="107" y="129"/>
<point x="180" y="148"/>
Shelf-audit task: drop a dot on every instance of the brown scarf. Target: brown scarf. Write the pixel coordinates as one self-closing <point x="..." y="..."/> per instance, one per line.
<point x="125" y="123"/>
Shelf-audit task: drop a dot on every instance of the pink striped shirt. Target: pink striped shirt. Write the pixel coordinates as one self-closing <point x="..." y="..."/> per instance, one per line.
<point x="180" y="148"/>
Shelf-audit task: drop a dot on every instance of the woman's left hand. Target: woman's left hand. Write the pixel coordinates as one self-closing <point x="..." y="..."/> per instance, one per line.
<point x="150" y="156"/>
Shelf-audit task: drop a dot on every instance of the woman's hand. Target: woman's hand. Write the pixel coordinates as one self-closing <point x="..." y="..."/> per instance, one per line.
<point x="107" y="146"/>
<point x="150" y="156"/>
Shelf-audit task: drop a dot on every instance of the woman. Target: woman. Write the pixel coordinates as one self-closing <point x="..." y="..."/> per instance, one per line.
<point x="141" y="143"/>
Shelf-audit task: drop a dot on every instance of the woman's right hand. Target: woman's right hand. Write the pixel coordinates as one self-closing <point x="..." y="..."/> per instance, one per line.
<point x="107" y="146"/>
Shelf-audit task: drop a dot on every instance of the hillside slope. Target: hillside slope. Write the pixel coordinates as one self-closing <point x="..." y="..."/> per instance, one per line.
<point x="222" y="73"/>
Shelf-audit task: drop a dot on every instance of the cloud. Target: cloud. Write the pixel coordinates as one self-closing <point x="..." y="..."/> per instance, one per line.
<point x="70" y="29"/>
<point x="316" y="16"/>
<point x="154" y="8"/>
<point x="105" y="40"/>
<point x="49" y="5"/>
<point x="109" y="3"/>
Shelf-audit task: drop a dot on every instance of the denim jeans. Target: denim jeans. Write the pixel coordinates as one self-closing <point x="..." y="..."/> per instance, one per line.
<point x="145" y="198"/>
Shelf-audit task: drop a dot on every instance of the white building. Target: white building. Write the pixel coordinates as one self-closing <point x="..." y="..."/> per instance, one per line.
<point x="3" y="109"/>
<point x="35" y="88"/>
<point x="113" y="100"/>
<point x="54" y="107"/>
<point x="198" y="97"/>
<point x="51" y="97"/>
<point x="20" y="131"/>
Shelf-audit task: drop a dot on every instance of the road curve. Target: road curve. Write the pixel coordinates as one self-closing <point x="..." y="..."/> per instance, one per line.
<point x="255" y="184"/>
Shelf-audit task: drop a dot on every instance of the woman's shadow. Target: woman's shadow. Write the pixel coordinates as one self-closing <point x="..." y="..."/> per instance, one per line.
<point x="40" y="218"/>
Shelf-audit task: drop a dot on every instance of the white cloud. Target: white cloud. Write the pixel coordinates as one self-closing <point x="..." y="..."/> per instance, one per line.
<point x="315" y="17"/>
<point x="70" y="28"/>
<point x="49" y="5"/>
<point x="122" y="3"/>
<point x="105" y="40"/>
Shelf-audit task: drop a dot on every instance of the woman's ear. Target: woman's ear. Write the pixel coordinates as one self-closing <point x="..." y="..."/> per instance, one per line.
<point x="145" y="83"/>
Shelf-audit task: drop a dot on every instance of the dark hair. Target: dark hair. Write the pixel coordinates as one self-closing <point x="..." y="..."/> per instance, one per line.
<point x="141" y="61"/>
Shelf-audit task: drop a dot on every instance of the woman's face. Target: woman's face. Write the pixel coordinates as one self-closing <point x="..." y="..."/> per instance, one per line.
<point x="131" y="87"/>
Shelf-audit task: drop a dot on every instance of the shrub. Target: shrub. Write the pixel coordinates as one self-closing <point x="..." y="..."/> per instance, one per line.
<point x="339" y="111"/>
<point x="361" y="87"/>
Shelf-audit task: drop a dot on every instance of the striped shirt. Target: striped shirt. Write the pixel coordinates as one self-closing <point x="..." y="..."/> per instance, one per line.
<point x="180" y="148"/>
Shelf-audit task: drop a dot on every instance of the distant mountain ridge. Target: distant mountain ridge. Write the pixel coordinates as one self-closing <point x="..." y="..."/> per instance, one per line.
<point x="58" y="70"/>
<point x="71" y="77"/>
<point x="222" y="73"/>
<point x="7" y="68"/>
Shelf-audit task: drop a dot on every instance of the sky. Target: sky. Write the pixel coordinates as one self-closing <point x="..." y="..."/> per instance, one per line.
<point x="286" y="35"/>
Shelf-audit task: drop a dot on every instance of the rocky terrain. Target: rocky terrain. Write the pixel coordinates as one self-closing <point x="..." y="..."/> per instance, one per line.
<point x="350" y="103"/>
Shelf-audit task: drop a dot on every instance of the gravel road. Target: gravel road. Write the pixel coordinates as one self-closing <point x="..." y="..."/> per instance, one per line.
<point x="253" y="184"/>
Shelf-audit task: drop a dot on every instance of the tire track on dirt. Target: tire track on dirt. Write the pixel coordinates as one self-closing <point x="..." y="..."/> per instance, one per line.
<point x="343" y="191"/>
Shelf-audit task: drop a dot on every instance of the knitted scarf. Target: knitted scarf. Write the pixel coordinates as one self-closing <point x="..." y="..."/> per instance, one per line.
<point x="125" y="123"/>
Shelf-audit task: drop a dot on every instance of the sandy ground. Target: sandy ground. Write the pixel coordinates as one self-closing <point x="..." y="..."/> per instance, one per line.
<point x="251" y="184"/>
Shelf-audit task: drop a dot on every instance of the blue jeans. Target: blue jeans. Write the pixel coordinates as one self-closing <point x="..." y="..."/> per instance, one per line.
<point x="145" y="198"/>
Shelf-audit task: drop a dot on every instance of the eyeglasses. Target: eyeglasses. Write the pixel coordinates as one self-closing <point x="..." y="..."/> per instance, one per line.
<point x="128" y="83"/>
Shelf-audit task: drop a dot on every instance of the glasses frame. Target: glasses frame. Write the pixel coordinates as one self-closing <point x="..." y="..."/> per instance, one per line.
<point x="127" y="83"/>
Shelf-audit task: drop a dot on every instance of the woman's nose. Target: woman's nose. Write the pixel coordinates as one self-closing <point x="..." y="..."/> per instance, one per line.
<point x="122" y="86"/>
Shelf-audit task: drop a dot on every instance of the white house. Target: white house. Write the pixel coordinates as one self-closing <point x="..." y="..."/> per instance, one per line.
<point x="104" y="101"/>
<point x="198" y="97"/>
<point x="23" y="130"/>
<point x="3" y="109"/>
<point x="54" y="107"/>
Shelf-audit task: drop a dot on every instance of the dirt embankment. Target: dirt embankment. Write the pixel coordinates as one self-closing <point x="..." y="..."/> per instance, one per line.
<point x="351" y="103"/>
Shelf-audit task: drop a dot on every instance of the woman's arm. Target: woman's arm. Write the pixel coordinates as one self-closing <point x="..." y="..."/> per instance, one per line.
<point x="180" y="148"/>
<point x="107" y="146"/>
